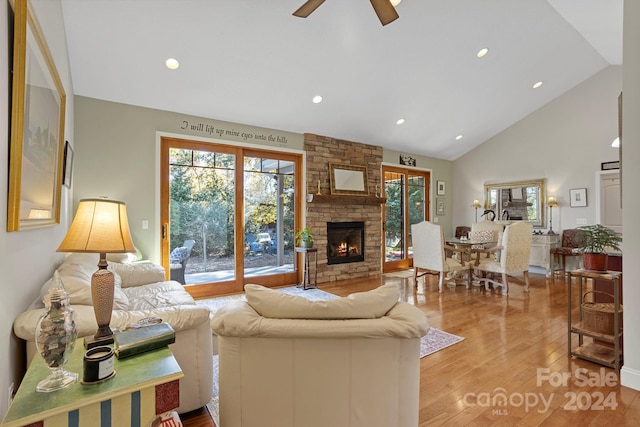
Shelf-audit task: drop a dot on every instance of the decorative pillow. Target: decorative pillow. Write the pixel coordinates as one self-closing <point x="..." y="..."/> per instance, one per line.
<point x="75" y="274"/>
<point x="178" y="255"/>
<point x="362" y="305"/>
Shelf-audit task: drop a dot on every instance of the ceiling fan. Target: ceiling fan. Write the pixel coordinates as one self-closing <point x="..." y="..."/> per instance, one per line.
<point x="384" y="9"/>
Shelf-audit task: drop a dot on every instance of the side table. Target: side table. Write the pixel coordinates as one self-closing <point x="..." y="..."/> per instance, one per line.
<point x="306" y="276"/>
<point x="144" y="386"/>
<point x="595" y="351"/>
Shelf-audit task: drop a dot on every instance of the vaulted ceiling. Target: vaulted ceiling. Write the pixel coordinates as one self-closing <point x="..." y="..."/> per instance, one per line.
<point x="252" y="62"/>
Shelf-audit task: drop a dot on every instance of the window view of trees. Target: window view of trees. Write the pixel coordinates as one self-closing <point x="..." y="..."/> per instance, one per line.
<point x="405" y="202"/>
<point x="203" y="208"/>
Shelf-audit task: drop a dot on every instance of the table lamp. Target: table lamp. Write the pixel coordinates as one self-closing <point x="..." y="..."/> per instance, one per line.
<point x="476" y="205"/>
<point x="551" y="202"/>
<point x="100" y="226"/>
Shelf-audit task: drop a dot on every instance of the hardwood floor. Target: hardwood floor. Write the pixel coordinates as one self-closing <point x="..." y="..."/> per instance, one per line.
<point x="515" y="348"/>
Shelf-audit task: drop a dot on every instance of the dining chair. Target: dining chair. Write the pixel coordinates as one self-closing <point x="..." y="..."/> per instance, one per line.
<point x="515" y="248"/>
<point x="570" y="242"/>
<point x="429" y="254"/>
<point x="462" y="230"/>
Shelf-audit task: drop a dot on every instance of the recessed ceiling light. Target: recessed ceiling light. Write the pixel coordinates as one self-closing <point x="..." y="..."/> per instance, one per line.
<point x="172" y="63"/>
<point x="317" y="99"/>
<point x="399" y="122"/>
<point x="458" y="138"/>
<point x="482" y="52"/>
<point x="537" y="85"/>
<point x="616" y="142"/>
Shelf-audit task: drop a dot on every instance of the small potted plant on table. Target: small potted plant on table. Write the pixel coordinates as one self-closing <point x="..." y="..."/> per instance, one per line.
<point x="595" y="241"/>
<point x="304" y="238"/>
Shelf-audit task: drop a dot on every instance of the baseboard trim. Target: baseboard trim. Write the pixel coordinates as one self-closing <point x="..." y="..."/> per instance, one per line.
<point x="630" y="378"/>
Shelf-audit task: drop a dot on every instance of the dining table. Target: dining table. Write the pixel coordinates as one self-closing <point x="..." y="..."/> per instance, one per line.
<point x="469" y="247"/>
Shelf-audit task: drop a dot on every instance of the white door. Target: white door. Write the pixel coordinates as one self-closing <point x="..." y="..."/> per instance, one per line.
<point x="610" y="209"/>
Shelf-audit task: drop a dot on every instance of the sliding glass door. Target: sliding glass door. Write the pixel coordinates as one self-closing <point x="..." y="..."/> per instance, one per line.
<point x="228" y="215"/>
<point x="407" y="193"/>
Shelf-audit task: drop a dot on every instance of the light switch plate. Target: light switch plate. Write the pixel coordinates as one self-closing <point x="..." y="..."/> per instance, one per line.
<point x="581" y="221"/>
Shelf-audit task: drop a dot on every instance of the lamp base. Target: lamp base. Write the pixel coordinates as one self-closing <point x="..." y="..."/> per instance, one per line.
<point x="92" y="341"/>
<point x="551" y="233"/>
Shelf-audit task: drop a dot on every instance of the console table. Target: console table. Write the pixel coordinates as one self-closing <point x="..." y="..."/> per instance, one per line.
<point x="144" y="386"/>
<point x="541" y="245"/>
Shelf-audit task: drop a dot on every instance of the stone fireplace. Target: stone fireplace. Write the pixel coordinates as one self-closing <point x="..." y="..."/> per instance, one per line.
<point x="345" y="242"/>
<point x="323" y="207"/>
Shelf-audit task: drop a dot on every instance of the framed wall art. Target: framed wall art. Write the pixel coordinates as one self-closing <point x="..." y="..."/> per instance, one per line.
<point x="37" y="128"/>
<point x="578" y="197"/>
<point x="440" y="188"/>
<point x="348" y="179"/>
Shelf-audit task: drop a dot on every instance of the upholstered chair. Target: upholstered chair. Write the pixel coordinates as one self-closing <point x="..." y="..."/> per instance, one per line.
<point x="429" y="254"/>
<point x="487" y="225"/>
<point x="514" y="250"/>
<point x="570" y="242"/>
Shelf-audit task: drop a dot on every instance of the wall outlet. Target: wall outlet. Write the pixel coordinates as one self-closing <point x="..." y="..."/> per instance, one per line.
<point x="435" y="219"/>
<point x="9" y="395"/>
<point x="581" y="221"/>
<point x="145" y="224"/>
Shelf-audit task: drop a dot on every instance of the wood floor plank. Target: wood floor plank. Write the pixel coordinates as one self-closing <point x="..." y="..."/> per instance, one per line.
<point x="513" y="345"/>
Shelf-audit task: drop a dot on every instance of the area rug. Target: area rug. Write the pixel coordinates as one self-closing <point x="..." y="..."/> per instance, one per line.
<point x="434" y="341"/>
<point x="402" y="274"/>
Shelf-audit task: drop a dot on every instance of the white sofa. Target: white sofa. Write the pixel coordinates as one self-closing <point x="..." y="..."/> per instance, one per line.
<point x="289" y="362"/>
<point x="141" y="291"/>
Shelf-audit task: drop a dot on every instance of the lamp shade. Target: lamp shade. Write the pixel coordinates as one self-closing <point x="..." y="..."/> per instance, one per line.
<point x="100" y="225"/>
<point x="551" y="201"/>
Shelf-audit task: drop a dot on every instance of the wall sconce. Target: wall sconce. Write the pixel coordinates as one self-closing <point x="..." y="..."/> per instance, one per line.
<point x="551" y="202"/>
<point x="476" y="205"/>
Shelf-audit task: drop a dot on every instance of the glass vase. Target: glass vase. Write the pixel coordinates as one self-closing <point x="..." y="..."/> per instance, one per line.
<point x="56" y="335"/>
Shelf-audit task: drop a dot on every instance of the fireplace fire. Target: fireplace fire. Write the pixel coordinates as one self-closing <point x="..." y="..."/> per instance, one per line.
<point x="345" y="242"/>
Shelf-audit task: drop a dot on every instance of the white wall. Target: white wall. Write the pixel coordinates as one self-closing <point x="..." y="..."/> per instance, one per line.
<point x="564" y="141"/>
<point x="118" y="156"/>
<point x="630" y="203"/>
<point x="27" y="258"/>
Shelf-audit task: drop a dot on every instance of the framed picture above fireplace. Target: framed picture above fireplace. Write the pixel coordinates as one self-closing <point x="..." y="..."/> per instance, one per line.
<point x="348" y="180"/>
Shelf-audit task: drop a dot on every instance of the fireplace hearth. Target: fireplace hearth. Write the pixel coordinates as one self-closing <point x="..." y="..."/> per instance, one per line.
<point x="345" y="242"/>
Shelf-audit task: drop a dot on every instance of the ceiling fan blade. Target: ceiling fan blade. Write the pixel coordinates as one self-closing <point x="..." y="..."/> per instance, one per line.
<point x="385" y="11"/>
<point x="306" y="9"/>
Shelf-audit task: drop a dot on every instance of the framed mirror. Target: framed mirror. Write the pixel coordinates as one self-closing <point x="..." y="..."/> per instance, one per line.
<point x="348" y="179"/>
<point x="517" y="201"/>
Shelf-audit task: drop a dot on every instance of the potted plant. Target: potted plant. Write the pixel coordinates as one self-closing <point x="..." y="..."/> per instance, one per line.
<point x="304" y="238"/>
<point x="594" y="242"/>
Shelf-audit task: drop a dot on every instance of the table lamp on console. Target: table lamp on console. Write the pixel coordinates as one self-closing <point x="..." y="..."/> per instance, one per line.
<point x="476" y="205"/>
<point x="100" y="226"/>
<point x="552" y="203"/>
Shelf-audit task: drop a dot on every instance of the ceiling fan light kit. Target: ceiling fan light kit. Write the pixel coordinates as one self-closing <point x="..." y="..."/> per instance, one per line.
<point x="383" y="8"/>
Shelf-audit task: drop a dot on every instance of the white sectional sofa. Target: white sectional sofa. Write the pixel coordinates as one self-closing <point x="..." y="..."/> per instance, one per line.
<point x="141" y="291"/>
<point x="289" y="362"/>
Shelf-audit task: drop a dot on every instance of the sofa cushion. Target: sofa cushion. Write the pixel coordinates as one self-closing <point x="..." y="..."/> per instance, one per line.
<point x="362" y="305"/>
<point x="157" y="295"/>
<point x="138" y="274"/>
